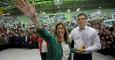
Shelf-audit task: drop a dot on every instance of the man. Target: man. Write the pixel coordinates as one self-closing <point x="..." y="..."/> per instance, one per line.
<point x="86" y="39"/>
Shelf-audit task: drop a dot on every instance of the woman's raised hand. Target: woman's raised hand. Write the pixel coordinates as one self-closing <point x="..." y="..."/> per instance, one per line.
<point x="27" y="8"/>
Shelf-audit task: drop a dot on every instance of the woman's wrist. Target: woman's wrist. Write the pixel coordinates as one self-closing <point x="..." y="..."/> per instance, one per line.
<point x="33" y="17"/>
<point x="36" y="22"/>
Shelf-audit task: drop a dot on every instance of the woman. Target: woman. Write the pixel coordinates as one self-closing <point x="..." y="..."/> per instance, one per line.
<point x="58" y="47"/>
<point x="42" y="47"/>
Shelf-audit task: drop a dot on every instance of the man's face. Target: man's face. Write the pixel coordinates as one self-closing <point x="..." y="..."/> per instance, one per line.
<point x="81" y="20"/>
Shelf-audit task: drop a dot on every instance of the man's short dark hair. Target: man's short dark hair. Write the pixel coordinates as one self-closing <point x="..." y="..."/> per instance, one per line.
<point x="82" y="14"/>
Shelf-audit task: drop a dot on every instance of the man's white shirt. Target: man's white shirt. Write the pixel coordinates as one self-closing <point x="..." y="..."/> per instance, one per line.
<point x="87" y="37"/>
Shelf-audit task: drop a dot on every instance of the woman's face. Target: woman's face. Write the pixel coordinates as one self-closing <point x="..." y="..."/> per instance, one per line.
<point x="60" y="31"/>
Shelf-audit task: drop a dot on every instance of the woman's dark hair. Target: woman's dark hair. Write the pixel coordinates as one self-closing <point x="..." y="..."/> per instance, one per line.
<point x="66" y="39"/>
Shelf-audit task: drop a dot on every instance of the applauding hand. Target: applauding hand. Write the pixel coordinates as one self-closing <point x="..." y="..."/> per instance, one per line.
<point x="81" y="51"/>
